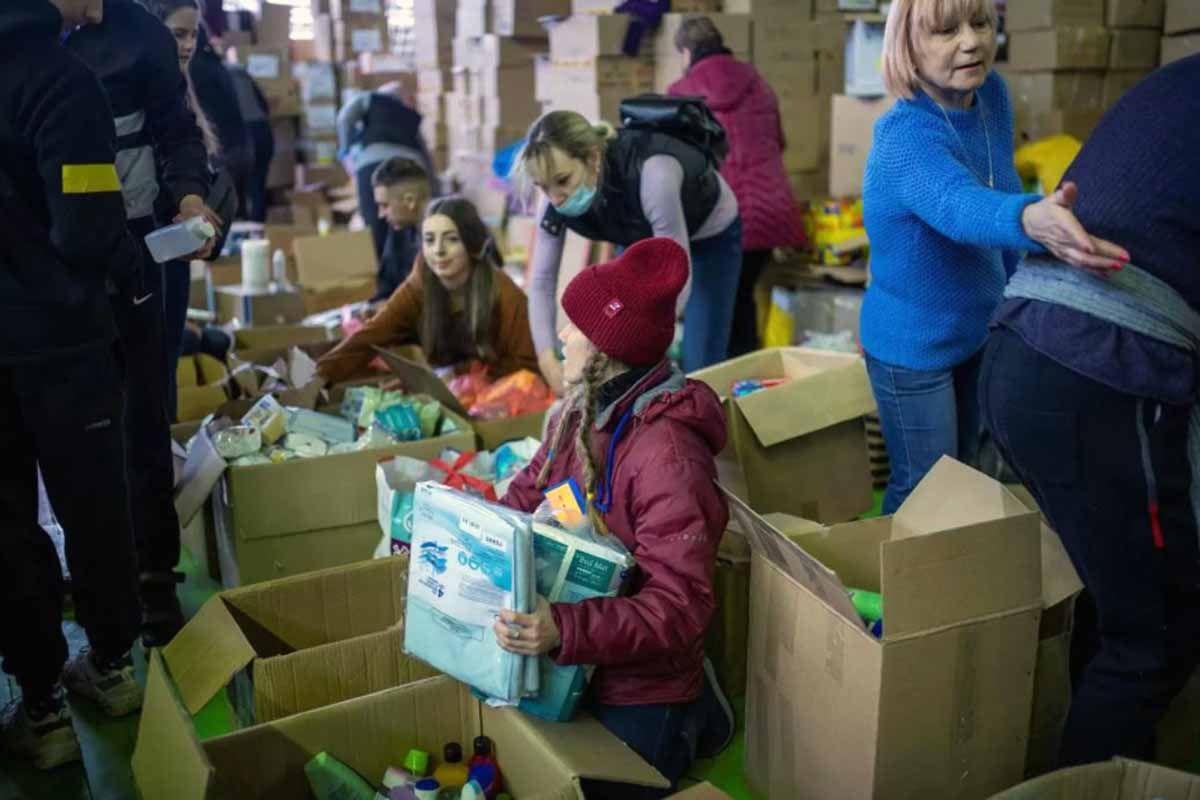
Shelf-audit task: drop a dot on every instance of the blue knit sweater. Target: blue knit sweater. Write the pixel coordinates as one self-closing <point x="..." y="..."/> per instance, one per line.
<point x="942" y="242"/>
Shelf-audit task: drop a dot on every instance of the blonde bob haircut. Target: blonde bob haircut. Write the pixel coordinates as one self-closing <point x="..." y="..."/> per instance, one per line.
<point x="909" y="19"/>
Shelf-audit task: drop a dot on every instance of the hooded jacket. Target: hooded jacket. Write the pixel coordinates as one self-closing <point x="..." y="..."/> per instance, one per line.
<point x="62" y="220"/>
<point x="137" y="62"/>
<point x="746" y="106"/>
<point x="667" y="510"/>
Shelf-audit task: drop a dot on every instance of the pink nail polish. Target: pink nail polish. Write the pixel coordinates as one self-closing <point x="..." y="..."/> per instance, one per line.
<point x="1117" y="265"/>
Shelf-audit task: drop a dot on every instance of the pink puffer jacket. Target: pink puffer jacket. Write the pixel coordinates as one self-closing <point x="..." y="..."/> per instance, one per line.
<point x="746" y="106"/>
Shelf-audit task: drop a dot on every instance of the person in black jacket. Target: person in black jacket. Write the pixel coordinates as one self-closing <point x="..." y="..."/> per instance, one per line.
<point x="63" y="239"/>
<point x="372" y="128"/>
<point x="401" y="191"/>
<point x="256" y="111"/>
<point x="159" y="150"/>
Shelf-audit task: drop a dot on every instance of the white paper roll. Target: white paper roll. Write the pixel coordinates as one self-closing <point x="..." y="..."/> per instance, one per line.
<point x="256" y="264"/>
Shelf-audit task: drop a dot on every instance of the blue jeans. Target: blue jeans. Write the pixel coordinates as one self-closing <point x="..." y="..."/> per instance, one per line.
<point x="708" y="317"/>
<point x="925" y="414"/>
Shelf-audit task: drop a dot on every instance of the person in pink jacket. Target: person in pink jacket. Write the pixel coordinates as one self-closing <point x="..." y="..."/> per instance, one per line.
<point x="639" y="440"/>
<point x="746" y="107"/>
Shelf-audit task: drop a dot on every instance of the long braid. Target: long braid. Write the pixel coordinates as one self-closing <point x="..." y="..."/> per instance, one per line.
<point x="594" y="374"/>
<point x="556" y="439"/>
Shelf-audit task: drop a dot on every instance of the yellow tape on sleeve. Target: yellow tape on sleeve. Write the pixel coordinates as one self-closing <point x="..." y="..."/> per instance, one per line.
<point x="90" y="178"/>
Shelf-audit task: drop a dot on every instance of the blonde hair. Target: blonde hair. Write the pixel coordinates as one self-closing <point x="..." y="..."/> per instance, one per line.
<point x="570" y="132"/>
<point x="908" y="18"/>
<point x="599" y="368"/>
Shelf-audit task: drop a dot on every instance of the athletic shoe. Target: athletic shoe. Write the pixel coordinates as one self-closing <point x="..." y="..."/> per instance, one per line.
<point x="42" y="734"/>
<point x="111" y="685"/>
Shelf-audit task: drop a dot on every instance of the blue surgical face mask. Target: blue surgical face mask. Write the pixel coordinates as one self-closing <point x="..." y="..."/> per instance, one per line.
<point x="579" y="202"/>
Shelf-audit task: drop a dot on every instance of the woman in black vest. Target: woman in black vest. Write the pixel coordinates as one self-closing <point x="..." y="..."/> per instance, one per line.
<point x="620" y="187"/>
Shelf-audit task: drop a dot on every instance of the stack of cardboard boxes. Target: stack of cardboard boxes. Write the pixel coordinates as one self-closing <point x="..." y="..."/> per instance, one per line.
<point x="1071" y="60"/>
<point x="434" y="38"/>
<point x="319" y="90"/>
<point x="798" y="47"/>
<point x="344" y="29"/>
<point x="270" y="65"/>
<point x="588" y="72"/>
<point x="1182" y="29"/>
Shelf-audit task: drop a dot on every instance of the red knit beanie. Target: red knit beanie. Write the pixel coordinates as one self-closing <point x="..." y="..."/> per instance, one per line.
<point x="626" y="307"/>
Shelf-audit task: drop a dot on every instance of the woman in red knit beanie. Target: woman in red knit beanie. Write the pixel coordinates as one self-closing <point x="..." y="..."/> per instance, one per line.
<point x="640" y="441"/>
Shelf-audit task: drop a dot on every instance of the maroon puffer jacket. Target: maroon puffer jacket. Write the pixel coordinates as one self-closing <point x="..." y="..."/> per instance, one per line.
<point x="667" y="510"/>
<point x="746" y="106"/>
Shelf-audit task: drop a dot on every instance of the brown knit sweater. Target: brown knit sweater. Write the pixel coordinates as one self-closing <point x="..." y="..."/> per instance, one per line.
<point x="398" y="322"/>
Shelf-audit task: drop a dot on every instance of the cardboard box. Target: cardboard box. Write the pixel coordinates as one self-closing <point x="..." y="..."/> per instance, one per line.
<point x="802" y="120"/>
<point x="809" y="184"/>
<point x="320" y="119"/>
<point x="727" y="642"/>
<point x="940" y="706"/>
<point x="200" y="386"/>
<point x="618" y="73"/>
<point x="541" y="760"/>
<point x="258" y="307"/>
<point x="351" y="291"/>
<point x="852" y="129"/>
<point x="801" y="445"/>
<point x="1029" y="127"/>
<point x="282" y="237"/>
<point x="1133" y="49"/>
<point x="669" y="64"/>
<point x="1177" y="47"/>
<point x="347" y="9"/>
<point x="1031" y="15"/>
<point x="1116" y="84"/>
<point x="678" y="6"/>
<point x="519" y="18"/>
<point x="263" y="62"/>
<point x="471" y="18"/>
<point x="418" y="378"/>
<point x="299" y="643"/>
<point x="582" y="37"/>
<point x="1052" y="675"/>
<point x="274" y="25"/>
<point x="1037" y="92"/>
<point x="1181" y="16"/>
<point x="770" y="9"/>
<point x="1119" y="779"/>
<point x="255" y="344"/>
<point x="275" y="520"/>
<point x="1135" y="14"/>
<point x="1059" y="49"/>
<point x="339" y="259"/>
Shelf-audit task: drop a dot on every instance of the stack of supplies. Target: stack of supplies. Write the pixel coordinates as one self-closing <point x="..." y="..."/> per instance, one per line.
<point x="471" y="559"/>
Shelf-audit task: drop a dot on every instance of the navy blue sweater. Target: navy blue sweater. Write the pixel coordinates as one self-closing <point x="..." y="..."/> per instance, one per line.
<point x="1139" y="186"/>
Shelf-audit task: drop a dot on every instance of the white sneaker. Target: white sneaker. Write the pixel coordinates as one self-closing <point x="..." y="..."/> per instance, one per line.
<point x="48" y="741"/>
<point x="113" y="687"/>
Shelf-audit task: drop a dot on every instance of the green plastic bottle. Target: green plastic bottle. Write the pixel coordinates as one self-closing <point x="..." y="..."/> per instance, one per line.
<point x="330" y="779"/>
<point x="869" y="605"/>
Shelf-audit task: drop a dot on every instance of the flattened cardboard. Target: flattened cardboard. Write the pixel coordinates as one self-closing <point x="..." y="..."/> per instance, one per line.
<point x="368" y="734"/>
<point x="940" y="706"/>
<point x="1119" y="779"/>
<point x="802" y="445"/>
<point x="324" y="262"/>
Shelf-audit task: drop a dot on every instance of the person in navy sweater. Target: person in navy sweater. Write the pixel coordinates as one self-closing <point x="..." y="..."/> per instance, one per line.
<point x="1089" y="389"/>
<point x="947" y="221"/>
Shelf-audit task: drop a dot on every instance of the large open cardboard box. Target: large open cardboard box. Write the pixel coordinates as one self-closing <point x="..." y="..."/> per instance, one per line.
<point x="540" y="760"/>
<point x="298" y="643"/>
<point x="802" y="445"/>
<point x="418" y="378"/>
<point x="260" y="345"/>
<point x="275" y="520"/>
<point x="1119" y="779"/>
<point x="200" y="386"/>
<point x="940" y="706"/>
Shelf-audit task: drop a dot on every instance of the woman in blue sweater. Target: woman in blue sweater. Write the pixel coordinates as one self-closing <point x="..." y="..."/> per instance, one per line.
<point x="947" y="222"/>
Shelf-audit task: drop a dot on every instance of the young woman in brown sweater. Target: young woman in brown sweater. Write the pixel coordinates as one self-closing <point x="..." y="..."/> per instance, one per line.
<point x="457" y="304"/>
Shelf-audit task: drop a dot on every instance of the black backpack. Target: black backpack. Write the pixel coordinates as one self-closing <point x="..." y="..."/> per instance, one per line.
<point x="688" y="119"/>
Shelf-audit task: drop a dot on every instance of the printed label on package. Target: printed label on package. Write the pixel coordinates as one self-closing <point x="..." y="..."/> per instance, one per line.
<point x="264" y="66"/>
